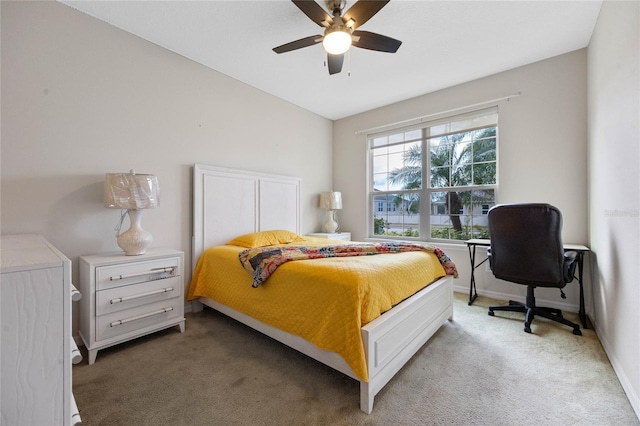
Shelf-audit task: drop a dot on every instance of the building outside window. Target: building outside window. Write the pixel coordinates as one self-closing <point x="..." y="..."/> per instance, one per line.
<point x="449" y="201"/>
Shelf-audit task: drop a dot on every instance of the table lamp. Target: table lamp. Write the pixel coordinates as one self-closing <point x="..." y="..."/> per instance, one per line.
<point x="133" y="192"/>
<point x="330" y="201"/>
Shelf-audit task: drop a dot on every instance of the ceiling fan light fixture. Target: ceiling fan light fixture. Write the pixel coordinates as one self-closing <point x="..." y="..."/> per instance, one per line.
<point x="336" y="42"/>
<point x="340" y="30"/>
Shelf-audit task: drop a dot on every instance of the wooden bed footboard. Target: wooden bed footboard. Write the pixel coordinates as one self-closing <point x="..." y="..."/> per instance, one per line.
<point x="389" y="341"/>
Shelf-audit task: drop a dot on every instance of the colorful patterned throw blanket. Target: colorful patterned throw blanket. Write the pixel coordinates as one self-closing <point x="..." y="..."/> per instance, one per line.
<point x="261" y="262"/>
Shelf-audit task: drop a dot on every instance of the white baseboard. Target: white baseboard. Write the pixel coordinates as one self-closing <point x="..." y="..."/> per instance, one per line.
<point x="188" y="307"/>
<point x="634" y="398"/>
<point x="558" y="304"/>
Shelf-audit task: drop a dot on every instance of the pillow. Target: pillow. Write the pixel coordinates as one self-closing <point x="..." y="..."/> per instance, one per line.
<point x="265" y="238"/>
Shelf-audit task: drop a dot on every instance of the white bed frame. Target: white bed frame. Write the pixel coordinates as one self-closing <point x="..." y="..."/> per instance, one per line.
<point x="228" y="203"/>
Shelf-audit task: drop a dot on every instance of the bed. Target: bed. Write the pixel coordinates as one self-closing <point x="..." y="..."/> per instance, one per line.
<point x="229" y="203"/>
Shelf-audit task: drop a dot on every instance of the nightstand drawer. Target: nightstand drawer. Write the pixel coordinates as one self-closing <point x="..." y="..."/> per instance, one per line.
<point x="121" y="298"/>
<point x="121" y="322"/>
<point x="136" y="272"/>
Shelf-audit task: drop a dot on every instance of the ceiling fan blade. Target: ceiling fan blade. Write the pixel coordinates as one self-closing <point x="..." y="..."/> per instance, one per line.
<point x="314" y="11"/>
<point x="363" y="10"/>
<point x="378" y="42"/>
<point x="298" y="44"/>
<point x="334" y="63"/>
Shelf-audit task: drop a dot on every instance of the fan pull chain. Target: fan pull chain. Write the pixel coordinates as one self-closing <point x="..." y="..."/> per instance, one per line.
<point x="349" y="63"/>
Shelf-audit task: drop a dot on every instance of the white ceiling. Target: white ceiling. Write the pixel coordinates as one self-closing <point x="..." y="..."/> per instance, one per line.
<point x="444" y="43"/>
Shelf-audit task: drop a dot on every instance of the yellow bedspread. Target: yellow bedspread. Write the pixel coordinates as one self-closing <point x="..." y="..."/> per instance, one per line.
<point x="325" y="301"/>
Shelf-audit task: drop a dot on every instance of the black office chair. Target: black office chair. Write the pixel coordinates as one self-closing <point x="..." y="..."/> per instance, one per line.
<point x="526" y="248"/>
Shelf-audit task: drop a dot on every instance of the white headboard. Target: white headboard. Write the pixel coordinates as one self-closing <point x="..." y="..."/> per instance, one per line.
<point x="228" y="203"/>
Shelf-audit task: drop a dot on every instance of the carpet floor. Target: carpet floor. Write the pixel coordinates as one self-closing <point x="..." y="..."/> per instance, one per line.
<point x="476" y="370"/>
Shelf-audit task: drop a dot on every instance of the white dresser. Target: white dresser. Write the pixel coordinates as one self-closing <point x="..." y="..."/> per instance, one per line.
<point x="37" y="346"/>
<point x="129" y="296"/>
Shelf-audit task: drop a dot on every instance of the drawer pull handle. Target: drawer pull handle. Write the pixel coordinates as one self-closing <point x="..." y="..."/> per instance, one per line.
<point x="75" y="413"/>
<point x="76" y="355"/>
<point x="170" y="269"/>
<point x="75" y="294"/>
<point x="126" y="320"/>
<point x="138" y="296"/>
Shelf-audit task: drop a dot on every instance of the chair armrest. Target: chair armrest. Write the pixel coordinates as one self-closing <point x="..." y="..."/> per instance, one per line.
<point x="570" y="256"/>
<point x="490" y="258"/>
<point x="570" y="263"/>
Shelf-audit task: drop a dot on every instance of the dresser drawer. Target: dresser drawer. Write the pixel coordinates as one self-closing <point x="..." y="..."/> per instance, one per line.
<point x="126" y="297"/>
<point x="136" y="272"/>
<point x="122" y="322"/>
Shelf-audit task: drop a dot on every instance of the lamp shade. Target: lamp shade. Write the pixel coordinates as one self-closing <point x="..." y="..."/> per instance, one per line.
<point x="131" y="191"/>
<point x="331" y="200"/>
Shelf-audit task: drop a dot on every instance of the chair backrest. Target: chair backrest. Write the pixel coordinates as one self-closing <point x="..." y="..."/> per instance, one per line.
<point x="526" y="244"/>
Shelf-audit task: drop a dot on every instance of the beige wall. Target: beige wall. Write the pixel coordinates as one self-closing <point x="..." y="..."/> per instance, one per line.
<point x="614" y="190"/>
<point x="542" y="154"/>
<point x="81" y="98"/>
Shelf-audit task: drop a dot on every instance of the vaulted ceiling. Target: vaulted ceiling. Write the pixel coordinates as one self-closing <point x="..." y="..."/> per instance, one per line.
<point x="444" y="43"/>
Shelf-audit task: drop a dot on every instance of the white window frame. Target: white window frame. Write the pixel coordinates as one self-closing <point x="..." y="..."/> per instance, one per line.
<point x="426" y="190"/>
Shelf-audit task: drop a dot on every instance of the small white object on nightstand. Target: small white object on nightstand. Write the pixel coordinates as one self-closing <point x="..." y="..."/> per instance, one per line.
<point x="345" y="236"/>
<point x="125" y="297"/>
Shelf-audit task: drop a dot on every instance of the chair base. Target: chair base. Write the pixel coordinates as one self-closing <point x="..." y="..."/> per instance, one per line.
<point x="531" y="310"/>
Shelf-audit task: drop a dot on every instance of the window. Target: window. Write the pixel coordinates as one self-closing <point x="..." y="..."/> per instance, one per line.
<point x="451" y="200"/>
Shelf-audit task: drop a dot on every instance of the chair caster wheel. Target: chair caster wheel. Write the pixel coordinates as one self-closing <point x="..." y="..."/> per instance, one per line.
<point x="491" y="314"/>
<point x="577" y="332"/>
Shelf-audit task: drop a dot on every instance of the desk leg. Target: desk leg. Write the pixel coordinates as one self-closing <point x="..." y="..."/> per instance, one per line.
<point x="472" y="285"/>
<point x="582" y="313"/>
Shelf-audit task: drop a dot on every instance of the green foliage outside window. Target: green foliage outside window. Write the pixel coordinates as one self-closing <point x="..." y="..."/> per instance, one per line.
<point x="379" y="224"/>
<point x="465" y="233"/>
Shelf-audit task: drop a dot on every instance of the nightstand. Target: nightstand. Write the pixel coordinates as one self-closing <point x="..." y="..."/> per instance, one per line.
<point x="345" y="236"/>
<point x="126" y="297"/>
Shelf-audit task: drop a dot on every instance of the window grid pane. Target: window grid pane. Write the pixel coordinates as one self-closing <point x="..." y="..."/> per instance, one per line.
<point x="396" y="214"/>
<point x="397" y="167"/>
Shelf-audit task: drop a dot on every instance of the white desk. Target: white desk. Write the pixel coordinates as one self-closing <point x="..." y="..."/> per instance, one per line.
<point x="579" y="248"/>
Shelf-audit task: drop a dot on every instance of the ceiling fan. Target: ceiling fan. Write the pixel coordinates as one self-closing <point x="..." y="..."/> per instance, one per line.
<point x="340" y="30"/>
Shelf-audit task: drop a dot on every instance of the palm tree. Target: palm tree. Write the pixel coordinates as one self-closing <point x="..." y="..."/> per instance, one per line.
<point x="410" y="177"/>
<point x="453" y="164"/>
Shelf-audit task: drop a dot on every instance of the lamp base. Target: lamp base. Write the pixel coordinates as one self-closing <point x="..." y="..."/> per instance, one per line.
<point x="135" y="240"/>
<point x="330" y="225"/>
